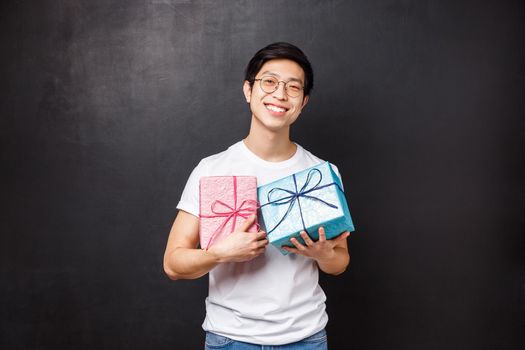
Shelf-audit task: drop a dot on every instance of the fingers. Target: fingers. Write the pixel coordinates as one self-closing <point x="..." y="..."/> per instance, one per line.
<point x="260" y="235"/>
<point x="248" y="223"/>
<point x="344" y="236"/>
<point x="290" y="249"/>
<point x="341" y="237"/>
<point x="322" y="234"/>
<point x="297" y="245"/>
<point x="262" y="242"/>
<point x="307" y="238"/>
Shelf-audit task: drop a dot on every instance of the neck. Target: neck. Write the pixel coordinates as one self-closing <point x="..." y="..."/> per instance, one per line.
<point x="272" y="146"/>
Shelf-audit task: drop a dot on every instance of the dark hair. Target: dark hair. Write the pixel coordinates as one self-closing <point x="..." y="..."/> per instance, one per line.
<point x="280" y="50"/>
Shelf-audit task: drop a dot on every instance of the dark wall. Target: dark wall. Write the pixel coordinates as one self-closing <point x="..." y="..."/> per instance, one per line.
<point x="106" y="107"/>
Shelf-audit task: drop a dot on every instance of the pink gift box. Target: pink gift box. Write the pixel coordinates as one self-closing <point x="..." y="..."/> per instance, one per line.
<point x="225" y="203"/>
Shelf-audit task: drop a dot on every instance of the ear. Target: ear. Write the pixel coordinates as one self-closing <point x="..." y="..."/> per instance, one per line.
<point x="305" y="101"/>
<point x="247" y="89"/>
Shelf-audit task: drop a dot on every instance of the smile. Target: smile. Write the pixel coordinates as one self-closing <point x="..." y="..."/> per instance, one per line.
<point x="275" y="108"/>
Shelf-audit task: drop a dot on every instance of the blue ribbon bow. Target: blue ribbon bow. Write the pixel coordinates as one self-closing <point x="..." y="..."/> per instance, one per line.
<point x="294" y="196"/>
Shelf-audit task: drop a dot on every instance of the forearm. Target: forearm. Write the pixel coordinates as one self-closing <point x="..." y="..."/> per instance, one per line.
<point x="337" y="263"/>
<point x="189" y="263"/>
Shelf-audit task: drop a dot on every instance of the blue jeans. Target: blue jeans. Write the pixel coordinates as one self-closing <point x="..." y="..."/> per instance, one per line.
<point x="318" y="341"/>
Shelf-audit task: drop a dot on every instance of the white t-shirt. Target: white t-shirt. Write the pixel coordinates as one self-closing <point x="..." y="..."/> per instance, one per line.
<point x="273" y="299"/>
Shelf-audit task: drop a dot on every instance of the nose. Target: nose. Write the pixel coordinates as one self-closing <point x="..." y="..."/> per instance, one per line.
<point x="280" y="92"/>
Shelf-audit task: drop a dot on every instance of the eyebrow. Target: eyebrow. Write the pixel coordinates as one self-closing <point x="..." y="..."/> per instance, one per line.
<point x="278" y="76"/>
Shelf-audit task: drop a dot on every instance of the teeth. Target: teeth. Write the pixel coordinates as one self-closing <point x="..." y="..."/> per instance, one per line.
<point x="275" y="108"/>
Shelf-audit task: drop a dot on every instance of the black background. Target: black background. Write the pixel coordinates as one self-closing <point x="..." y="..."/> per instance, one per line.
<point x="106" y="107"/>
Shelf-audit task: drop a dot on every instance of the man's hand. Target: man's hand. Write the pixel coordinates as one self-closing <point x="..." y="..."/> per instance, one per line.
<point x="331" y="255"/>
<point x="240" y="245"/>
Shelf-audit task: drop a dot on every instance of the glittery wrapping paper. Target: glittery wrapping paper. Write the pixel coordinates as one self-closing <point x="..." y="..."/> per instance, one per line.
<point x="216" y="189"/>
<point x="322" y="191"/>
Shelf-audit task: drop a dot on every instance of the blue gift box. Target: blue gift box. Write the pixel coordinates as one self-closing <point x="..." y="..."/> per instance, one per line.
<point x="304" y="201"/>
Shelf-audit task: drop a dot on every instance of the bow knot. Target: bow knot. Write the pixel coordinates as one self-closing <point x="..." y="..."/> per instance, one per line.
<point x="231" y="211"/>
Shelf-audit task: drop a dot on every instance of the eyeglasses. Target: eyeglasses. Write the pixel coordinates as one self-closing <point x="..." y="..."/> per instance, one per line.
<point x="270" y="84"/>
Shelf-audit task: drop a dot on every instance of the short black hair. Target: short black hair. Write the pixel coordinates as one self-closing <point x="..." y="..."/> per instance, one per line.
<point x="280" y="50"/>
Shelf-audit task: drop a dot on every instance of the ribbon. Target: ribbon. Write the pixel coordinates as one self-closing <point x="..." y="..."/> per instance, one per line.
<point x="247" y="207"/>
<point x="294" y="196"/>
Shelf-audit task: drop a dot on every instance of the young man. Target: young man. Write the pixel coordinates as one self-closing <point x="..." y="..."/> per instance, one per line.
<point x="258" y="296"/>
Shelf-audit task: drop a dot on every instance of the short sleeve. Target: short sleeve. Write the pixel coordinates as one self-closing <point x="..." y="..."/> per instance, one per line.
<point x="189" y="200"/>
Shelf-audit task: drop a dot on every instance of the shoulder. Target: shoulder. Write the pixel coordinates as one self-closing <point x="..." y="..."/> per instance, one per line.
<point x="215" y="158"/>
<point x="217" y="164"/>
<point x="208" y="166"/>
<point x="312" y="160"/>
<point x="309" y="157"/>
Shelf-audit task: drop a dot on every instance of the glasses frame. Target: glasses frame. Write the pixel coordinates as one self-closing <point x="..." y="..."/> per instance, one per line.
<point x="277" y="86"/>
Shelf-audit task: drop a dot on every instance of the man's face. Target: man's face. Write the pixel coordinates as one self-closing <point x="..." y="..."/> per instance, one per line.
<point x="275" y="111"/>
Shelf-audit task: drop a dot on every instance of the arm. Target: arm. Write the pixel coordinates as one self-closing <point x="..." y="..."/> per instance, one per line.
<point x="331" y="255"/>
<point x="184" y="260"/>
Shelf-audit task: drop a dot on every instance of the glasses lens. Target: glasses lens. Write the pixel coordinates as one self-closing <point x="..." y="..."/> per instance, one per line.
<point x="293" y="88"/>
<point x="269" y="84"/>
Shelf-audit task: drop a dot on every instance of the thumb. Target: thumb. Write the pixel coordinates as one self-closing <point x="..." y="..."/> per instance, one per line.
<point x="248" y="223"/>
<point x="343" y="236"/>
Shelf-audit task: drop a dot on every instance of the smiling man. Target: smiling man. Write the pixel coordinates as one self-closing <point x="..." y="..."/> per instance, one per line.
<point x="258" y="296"/>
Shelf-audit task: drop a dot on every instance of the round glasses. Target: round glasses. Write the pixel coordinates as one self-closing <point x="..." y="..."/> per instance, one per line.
<point x="270" y="84"/>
